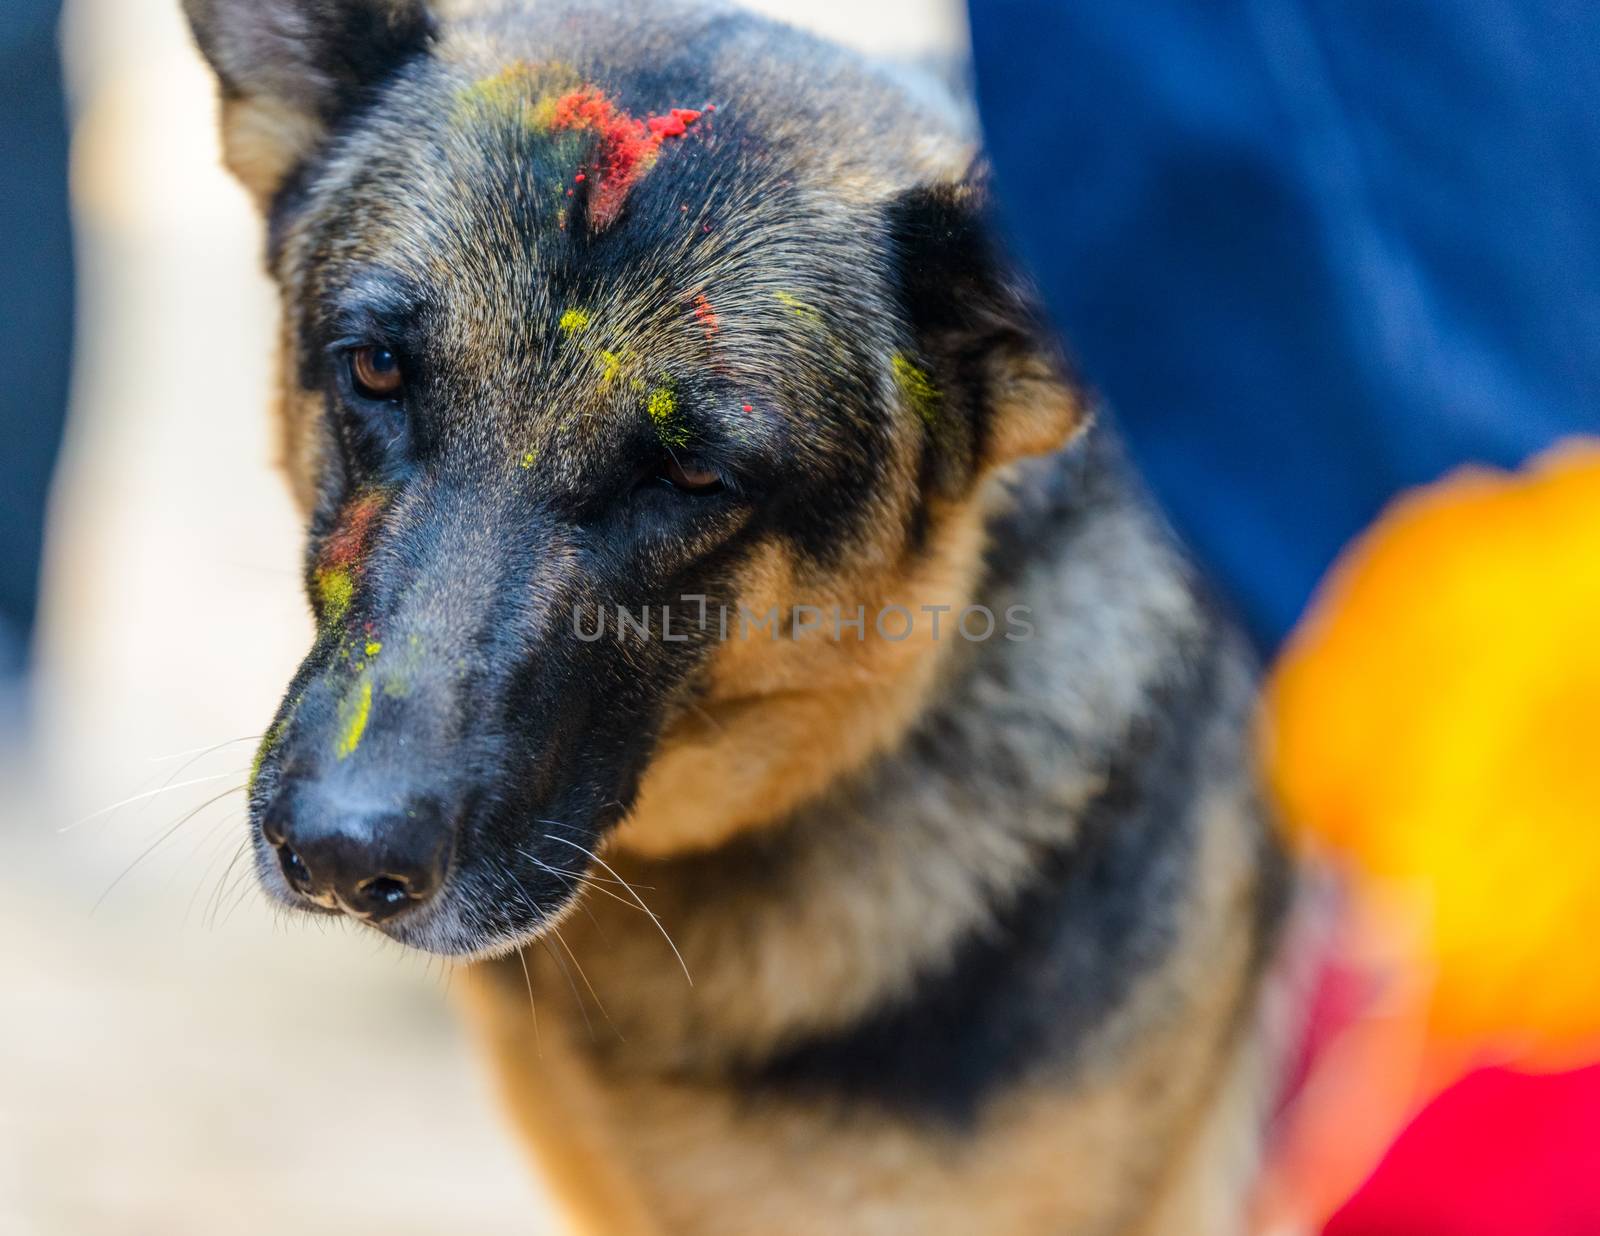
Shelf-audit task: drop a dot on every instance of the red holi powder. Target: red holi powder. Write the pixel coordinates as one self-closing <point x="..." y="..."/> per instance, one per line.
<point x="628" y="147"/>
<point x="707" y="315"/>
<point x="347" y="543"/>
<point x="749" y="408"/>
<point x="675" y="124"/>
<point x="580" y="178"/>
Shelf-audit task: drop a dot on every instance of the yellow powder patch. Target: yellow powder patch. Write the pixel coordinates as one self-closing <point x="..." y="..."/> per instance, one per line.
<point x="268" y="745"/>
<point x="529" y="459"/>
<point x="809" y="314"/>
<point x="917" y="388"/>
<point x="542" y="114"/>
<point x="374" y="648"/>
<point x="662" y="408"/>
<point x="663" y="405"/>
<point x="522" y="92"/>
<point x="336" y="592"/>
<point x="610" y="367"/>
<point x="503" y="94"/>
<point x="353" y="715"/>
<point x="574" y="322"/>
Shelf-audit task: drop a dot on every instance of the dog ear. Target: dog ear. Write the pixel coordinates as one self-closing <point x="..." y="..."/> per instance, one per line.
<point x="979" y="326"/>
<point x="290" y="69"/>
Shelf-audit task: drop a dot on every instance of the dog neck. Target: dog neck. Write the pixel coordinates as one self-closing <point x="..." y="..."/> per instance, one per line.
<point x="1010" y="784"/>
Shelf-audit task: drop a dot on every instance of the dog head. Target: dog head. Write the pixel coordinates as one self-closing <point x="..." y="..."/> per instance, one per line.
<point x="657" y="327"/>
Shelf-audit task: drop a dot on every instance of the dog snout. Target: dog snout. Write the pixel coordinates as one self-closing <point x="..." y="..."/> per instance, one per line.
<point x="374" y="860"/>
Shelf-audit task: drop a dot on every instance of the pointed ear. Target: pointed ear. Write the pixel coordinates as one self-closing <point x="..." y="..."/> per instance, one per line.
<point x="289" y="69"/>
<point x="979" y="325"/>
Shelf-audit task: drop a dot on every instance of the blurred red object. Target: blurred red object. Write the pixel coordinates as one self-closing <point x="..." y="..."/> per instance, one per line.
<point x="1498" y="1154"/>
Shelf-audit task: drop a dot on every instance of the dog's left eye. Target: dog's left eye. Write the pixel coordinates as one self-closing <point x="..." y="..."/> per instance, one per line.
<point x="690" y="477"/>
<point x="376" y="373"/>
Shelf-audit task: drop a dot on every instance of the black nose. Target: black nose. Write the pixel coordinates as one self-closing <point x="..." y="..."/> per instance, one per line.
<point x="371" y="861"/>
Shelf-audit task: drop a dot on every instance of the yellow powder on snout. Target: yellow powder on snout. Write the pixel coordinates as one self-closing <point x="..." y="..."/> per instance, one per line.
<point x="336" y="592"/>
<point x="268" y="745"/>
<point x="353" y="715"/>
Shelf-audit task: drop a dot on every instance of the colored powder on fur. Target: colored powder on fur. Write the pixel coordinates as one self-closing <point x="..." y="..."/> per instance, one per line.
<point x="674" y="124"/>
<point x="269" y="744"/>
<point x="523" y="93"/>
<point x="505" y="93"/>
<point x="341" y="554"/>
<point x="354" y="711"/>
<point x="917" y="388"/>
<point x="529" y="459"/>
<point x="809" y="314"/>
<point x="347" y="543"/>
<point x="610" y="367"/>
<point x="545" y="99"/>
<point x="336" y="592"/>
<point x="707" y="315"/>
<point x="662" y="408"/>
<point x="373" y="648"/>
<point x="574" y="322"/>
<point x="749" y="408"/>
<point x="628" y="147"/>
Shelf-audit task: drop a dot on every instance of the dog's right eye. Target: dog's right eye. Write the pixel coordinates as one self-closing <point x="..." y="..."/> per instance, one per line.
<point x="376" y="374"/>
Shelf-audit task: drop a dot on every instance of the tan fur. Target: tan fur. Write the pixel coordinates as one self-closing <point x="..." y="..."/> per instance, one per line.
<point x="785" y="718"/>
<point x="1157" y="1145"/>
<point x="559" y="1111"/>
<point x="1036" y="412"/>
<point x="263" y="140"/>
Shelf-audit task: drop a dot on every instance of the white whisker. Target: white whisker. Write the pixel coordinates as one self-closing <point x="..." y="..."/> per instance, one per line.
<point x="161" y="840"/>
<point x="159" y="790"/>
<point x="204" y="751"/>
<point x="596" y="858"/>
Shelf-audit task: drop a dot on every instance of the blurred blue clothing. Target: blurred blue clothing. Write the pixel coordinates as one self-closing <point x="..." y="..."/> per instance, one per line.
<point x="36" y="304"/>
<point x="1311" y="251"/>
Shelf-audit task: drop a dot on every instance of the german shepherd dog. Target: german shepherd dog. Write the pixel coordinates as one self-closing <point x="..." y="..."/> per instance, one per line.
<point x="736" y="638"/>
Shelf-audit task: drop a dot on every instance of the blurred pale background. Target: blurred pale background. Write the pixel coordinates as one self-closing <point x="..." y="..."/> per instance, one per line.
<point x="174" y="1058"/>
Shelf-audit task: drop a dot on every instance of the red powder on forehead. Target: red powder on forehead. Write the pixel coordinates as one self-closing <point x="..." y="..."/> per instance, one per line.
<point x="675" y="124"/>
<point x="707" y="315"/>
<point x="627" y="146"/>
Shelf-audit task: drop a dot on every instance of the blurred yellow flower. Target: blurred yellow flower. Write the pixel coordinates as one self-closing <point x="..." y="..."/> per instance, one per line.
<point x="1435" y="722"/>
